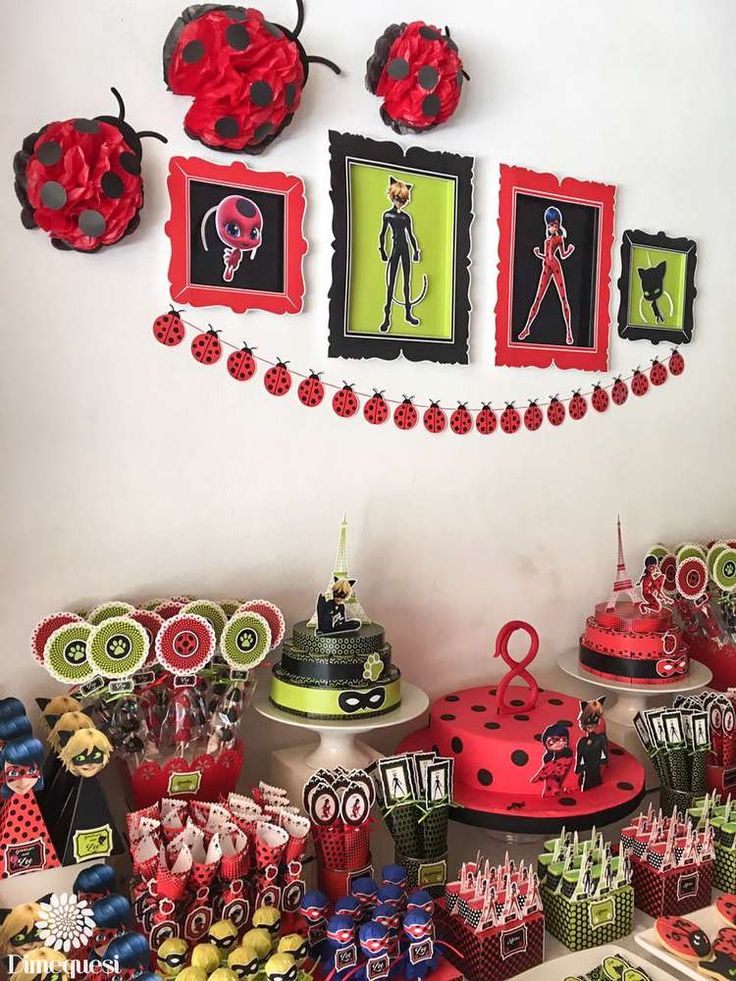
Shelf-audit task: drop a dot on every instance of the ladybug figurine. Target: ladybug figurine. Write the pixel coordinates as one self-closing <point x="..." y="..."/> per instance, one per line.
<point x="533" y="417"/>
<point x="245" y="74"/>
<point x="206" y="348"/>
<point x="434" y="418"/>
<point x="168" y="329"/>
<point x="461" y="421"/>
<point x="376" y="410"/>
<point x="555" y="412"/>
<point x="277" y="379"/>
<point x="311" y="391"/>
<point x="241" y="364"/>
<point x="599" y="399"/>
<point x="405" y="414"/>
<point x="345" y="402"/>
<point x="80" y="180"/>
<point x="486" y="421"/>
<point x="418" y="72"/>
<point x="677" y="363"/>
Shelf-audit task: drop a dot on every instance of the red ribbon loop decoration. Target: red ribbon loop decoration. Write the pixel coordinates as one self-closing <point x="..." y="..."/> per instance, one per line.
<point x="518" y="668"/>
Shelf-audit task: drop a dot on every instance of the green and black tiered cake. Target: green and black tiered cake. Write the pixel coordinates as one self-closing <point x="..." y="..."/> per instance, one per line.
<point x="338" y="664"/>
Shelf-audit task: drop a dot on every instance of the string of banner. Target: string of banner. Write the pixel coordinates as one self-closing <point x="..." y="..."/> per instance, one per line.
<point x="242" y="365"/>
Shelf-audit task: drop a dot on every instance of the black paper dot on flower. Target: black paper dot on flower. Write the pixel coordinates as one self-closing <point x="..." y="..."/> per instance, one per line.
<point x="567" y="801"/>
<point x="398" y="68"/>
<point x="273" y="29"/>
<point x="492" y="725"/>
<point x="227" y="127"/>
<point x="53" y="195"/>
<point x="130" y="163"/>
<point x="478" y="708"/>
<point x="237" y="13"/>
<point x="485" y="777"/>
<point x="261" y="94"/>
<point x="86" y="125"/>
<point x="452" y="698"/>
<point x="427" y="77"/>
<point x="431" y="105"/>
<point x="457" y="744"/>
<point x="92" y="223"/>
<point x="521" y="718"/>
<point x="245" y="207"/>
<point x="625" y="786"/>
<point x="237" y="37"/>
<point x="112" y="185"/>
<point x="429" y="33"/>
<point x="290" y="94"/>
<point x="556" y="701"/>
<point x="262" y="131"/>
<point x="517" y="701"/>
<point x="192" y="52"/>
<point x="519" y="757"/>
<point x="447" y="717"/>
<point x="49" y="153"/>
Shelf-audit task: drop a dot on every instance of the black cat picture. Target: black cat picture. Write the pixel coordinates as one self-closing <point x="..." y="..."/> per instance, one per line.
<point x="331" y="617"/>
<point x="652" y="285"/>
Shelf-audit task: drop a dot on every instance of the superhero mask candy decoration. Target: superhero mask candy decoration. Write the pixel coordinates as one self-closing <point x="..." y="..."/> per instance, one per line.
<point x="245" y="74"/>
<point x="80" y="180"/>
<point x="418" y="72"/>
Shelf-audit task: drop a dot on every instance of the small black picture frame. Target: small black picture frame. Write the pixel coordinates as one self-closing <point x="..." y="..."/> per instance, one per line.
<point x="372" y="315"/>
<point x="657" y="307"/>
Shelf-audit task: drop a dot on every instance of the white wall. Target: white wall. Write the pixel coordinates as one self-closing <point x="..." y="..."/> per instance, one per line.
<point x="130" y="471"/>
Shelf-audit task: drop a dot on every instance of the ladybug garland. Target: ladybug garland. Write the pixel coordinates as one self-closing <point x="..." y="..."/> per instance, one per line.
<point x="245" y="74"/>
<point x="434" y="418"/>
<point x="461" y="421"/>
<point x="486" y="421"/>
<point x="345" y="402"/>
<point x="277" y="379"/>
<point x="241" y="364"/>
<point x="168" y="329"/>
<point x="510" y="419"/>
<point x="311" y="391"/>
<point x="639" y="383"/>
<point x="417" y="71"/>
<point x="206" y="348"/>
<point x="556" y="412"/>
<point x="405" y="415"/>
<point x="619" y="392"/>
<point x="578" y="406"/>
<point x="677" y="363"/>
<point x="599" y="399"/>
<point x="376" y="410"/>
<point x="80" y="180"/>
<point x="533" y="417"/>
<point x="657" y="373"/>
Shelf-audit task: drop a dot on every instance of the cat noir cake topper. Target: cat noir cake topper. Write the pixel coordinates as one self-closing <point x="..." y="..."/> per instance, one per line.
<point x="80" y="180"/>
<point x="245" y="74"/>
<point x="418" y="72"/>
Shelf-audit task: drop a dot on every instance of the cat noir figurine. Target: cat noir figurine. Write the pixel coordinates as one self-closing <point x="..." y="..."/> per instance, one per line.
<point x="86" y="752"/>
<point x="239" y="225"/>
<point x="331" y="618"/>
<point x="591" y="753"/>
<point x="19" y="930"/>
<point x="404" y="252"/>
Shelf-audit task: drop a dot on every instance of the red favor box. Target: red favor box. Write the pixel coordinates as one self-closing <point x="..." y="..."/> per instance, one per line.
<point x="495" y="954"/>
<point x="207" y="777"/>
<point x="672" y="892"/>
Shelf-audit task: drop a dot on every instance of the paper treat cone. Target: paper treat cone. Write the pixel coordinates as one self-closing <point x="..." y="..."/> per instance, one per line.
<point x="403" y="823"/>
<point x="245" y="813"/>
<point x="270" y="844"/>
<point x="297" y="828"/>
<point x="205" y="863"/>
<point x="141" y="823"/>
<point x="236" y="855"/>
<point x="145" y="854"/>
<point x="25" y="843"/>
<point x="357" y="847"/>
<point x="171" y="882"/>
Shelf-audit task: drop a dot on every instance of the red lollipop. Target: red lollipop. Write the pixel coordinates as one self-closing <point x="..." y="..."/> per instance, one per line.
<point x="185" y="644"/>
<point x="44" y="628"/>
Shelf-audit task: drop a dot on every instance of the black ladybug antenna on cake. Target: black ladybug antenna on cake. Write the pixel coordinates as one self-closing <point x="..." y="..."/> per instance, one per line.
<point x="121" y="117"/>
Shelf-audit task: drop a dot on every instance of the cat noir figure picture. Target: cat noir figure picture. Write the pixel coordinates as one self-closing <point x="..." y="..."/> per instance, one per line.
<point x="591" y="752"/>
<point x="404" y="252"/>
<point x="331" y="618"/>
<point x="555" y="251"/>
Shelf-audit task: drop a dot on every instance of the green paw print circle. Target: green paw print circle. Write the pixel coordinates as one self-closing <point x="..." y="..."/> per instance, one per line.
<point x="373" y="668"/>
<point x="724" y="570"/>
<point x="245" y="641"/>
<point x="65" y="654"/>
<point x="118" y="647"/>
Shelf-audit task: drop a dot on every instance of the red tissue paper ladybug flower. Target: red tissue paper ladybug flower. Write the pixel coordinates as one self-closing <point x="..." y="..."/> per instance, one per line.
<point x="80" y="180"/>
<point x="246" y="75"/>
<point x="417" y="71"/>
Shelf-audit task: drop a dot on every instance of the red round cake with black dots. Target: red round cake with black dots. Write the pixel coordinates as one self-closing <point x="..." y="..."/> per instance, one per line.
<point x="527" y="771"/>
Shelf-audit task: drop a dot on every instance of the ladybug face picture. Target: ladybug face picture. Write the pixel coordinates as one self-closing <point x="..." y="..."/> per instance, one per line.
<point x="66" y="190"/>
<point x="239" y="225"/>
<point x="682" y="937"/>
<point x="185" y="643"/>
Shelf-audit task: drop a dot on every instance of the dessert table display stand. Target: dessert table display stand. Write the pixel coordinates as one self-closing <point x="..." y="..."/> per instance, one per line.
<point x="337" y="742"/>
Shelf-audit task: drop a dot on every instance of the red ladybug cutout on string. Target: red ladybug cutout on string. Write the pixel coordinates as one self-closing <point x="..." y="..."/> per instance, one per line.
<point x="241" y="364"/>
<point x="206" y="348"/>
<point x="168" y="329"/>
<point x="677" y="363"/>
<point x="599" y="399"/>
<point x="345" y="402"/>
<point x="510" y="419"/>
<point x="619" y="392"/>
<point x="311" y="391"/>
<point x="578" y="406"/>
<point x="405" y="414"/>
<point x="417" y="71"/>
<point x="657" y="373"/>
<point x="639" y="383"/>
<point x="80" y="180"/>
<point x="376" y="410"/>
<point x="486" y="421"/>
<point x="245" y="74"/>
<point x="434" y="418"/>
<point x="533" y="417"/>
<point x="555" y="412"/>
<point x="461" y="421"/>
<point x="277" y="379"/>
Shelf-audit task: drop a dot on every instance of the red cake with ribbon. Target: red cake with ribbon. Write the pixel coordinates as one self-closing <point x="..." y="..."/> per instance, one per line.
<point x="633" y="638"/>
<point x="529" y="759"/>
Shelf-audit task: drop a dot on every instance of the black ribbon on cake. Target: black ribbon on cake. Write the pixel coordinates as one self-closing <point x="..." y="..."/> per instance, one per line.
<point x="336" y="671"/>
<point x="647" y="669"/>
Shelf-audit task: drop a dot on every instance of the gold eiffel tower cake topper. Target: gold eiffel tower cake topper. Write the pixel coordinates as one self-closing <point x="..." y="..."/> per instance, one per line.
<point x="341" y="572"/>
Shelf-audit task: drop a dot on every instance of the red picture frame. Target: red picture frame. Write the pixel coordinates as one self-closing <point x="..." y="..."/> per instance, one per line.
<point x="553" y="277"/>
<point x="206" y="269"/>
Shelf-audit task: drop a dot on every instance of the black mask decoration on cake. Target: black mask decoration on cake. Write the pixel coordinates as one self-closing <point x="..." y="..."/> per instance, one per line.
<point x="353" y="701"/>
<point x="331" y="618"/>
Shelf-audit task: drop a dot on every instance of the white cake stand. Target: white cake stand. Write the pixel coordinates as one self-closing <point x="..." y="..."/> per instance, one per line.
<point x="337" y="742"/>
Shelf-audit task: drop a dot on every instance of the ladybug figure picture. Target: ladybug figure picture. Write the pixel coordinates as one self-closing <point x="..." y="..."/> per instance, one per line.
<point x="80" y="181"/>
<point x="277" y="379"/>
<point x="311" y="391"/>
<point x="206" y="348"/>
<point x="376" y="410"/>
<point x="168" y="329"/>
<point x="239" y="224"/>
<point x="345" y="402"/>
<point x="486" y="421"/>
<point x="405" y="414"/>
<point x="461" y="421"/>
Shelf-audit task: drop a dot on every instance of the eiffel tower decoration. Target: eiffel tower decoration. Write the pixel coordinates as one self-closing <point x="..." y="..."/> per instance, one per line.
<point x="341" y="570"/>
<point x="622" y="584"/>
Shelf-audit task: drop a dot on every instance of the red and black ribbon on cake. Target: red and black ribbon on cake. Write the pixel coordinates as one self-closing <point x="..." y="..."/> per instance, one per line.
<point x="660" y="671"/>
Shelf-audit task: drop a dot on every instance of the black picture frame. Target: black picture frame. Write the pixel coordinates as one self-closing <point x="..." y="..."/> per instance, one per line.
<point x="346" y="147"/>
<point x="635" y="238"/>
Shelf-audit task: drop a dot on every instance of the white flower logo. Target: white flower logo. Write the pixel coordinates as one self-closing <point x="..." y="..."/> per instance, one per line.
<point x="65" y="922"/>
